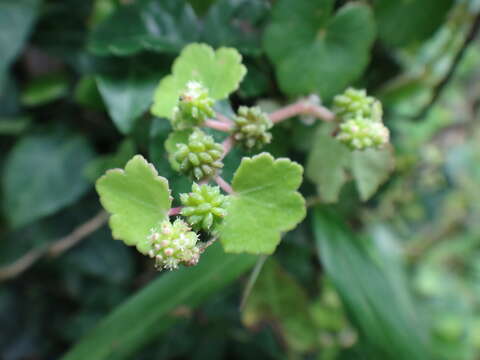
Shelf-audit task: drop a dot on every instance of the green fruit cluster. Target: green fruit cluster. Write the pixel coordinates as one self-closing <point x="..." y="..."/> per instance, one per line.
<point x="201" y="157"/>
<point x="360" y="134"/>
<point x="204" y="207"/>
<point x="173" y="244"/>
<point x="194" y="107"/>
<point x="361" y="124"/>
<point x="354" y="103"/>
<point x="251" y="127"/>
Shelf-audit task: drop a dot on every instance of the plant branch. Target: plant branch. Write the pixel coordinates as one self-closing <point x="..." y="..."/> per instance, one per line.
<point x="223" y="184"/>
<point x="227" y="145"/>
<point x="218" y="125"/>
<point x="53" y="249"/>
<point x="302" y="107"/>
<point x="438" y="90"/>
<point x="223" y="118"/>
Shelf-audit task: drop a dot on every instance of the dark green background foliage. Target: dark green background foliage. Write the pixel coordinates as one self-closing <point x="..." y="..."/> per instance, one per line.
<point x="395" y="277"/>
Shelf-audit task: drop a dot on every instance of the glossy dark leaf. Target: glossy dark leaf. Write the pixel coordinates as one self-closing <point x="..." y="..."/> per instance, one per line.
<point x="16" y="20"/>
<point x="146" y="315"/>
<point x="379" y="303"/>
<point x="32" y="192"/>
<point x="161" y="26"/>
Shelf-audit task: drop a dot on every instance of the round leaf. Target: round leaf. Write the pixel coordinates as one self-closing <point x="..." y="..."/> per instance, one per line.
<point x="314" y="51"/>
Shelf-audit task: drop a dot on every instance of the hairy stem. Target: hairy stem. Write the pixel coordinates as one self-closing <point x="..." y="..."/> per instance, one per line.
<point x="223" y="184"/>
<point x="302" y="107"/>
<point x="218" y="125"/>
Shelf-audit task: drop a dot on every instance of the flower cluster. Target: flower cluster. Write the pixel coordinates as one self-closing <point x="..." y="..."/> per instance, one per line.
<point x="204" y="207"/>
<point x="251" y="127"/>
<point x="361" y="124"/>
<point x="194" y="107"/>
<point x="173" y="244"/>
<point x="201" y="157"/>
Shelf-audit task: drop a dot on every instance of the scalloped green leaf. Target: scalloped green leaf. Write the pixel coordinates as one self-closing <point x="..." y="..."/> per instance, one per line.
<point x="220" y="71"/>
<point x="264" y="204"/>
<point x="137" y="198"/>
<point x="314" y="50"/>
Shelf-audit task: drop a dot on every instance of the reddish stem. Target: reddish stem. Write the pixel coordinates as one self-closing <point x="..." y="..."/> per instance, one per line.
<point x="302" y="107"/>
<point x="223" y="184"/>
<point x="227" y="145"/>
<point x="223" y="118"/>
<point x="218" y="125"/>
<point x="174" y="211"/>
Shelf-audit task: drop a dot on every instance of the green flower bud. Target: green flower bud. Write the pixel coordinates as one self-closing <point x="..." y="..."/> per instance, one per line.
<point x="204" y="207"/>
<point x="361" y="133"/>
<point x="194" y="107"/>
<point x="355" y="103"/>
<point x="173" y="244"/>
<point x="201" y="157"/>
<point x="251" y="127"/>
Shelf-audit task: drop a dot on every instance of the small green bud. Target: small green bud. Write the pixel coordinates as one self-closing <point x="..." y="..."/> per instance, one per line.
<point x="194" y="107"/>
<point x="361" y="133"/>
<point x="201" y="157"/>
<point x="173" y="244"/>
<point x="204" y="207"/>
<point x="355" y="103"/>
<point x="251" y="127"/>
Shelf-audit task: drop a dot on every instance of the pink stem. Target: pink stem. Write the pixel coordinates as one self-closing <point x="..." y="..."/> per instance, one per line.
<point x="302" y="107"/>
<point x="223" y="118"/>
<point x="174" y="211"/>
<point x="227" y="145"/>
<point x="218" y="125"/>
<point x="224" y="185"/>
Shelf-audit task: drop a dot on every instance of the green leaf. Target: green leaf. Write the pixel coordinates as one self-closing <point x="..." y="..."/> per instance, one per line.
<point x="220" y="71"/>
<point x="161" y="26"/>
<point x="234" y="23"/>
<point x="327" y="164"/>
<point x="150" y="312"/>
<point x="379" y="304"/>
<point x="31" y="192"/>
<point x="265" y="203"/>
<point x="278" y="298"/>
<point x="176" y="137"/>
<point x="98" y="166"/>
<point x="370" y="169"/>
<point x="138" y="199"/>
<point x="45" y="89"/>
<point x="417" y="21"/>
<point x="315" y="51"/>
<point x="16" y="20"/>
<point x="330" y="163"/>
<point x="127" y="95"/>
